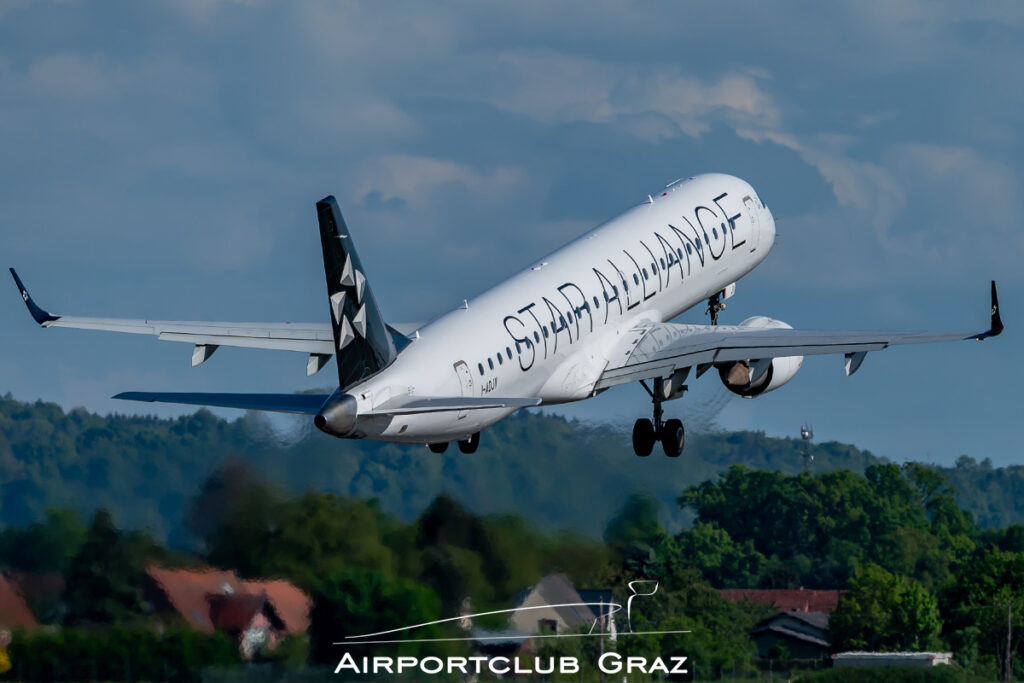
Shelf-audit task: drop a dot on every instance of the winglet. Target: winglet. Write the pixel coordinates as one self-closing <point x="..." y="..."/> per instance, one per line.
<point x="42" y="317"/>
<point x="996" y="324"/>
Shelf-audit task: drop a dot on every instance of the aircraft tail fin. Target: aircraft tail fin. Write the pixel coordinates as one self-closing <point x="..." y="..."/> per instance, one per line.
<point x="363" y="344"/>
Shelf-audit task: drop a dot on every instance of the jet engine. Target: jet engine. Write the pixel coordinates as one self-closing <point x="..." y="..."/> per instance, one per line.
<point x="753" y="377"/>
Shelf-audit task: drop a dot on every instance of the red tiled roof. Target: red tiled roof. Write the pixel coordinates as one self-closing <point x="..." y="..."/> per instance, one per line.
<point x="14" y="611"/>
<point x="234" y="613"/>
<point x="187" y="590"/>
<point x="290" y="603"/>
<point x="787" y="600"/>
<point x="190" y="591"/>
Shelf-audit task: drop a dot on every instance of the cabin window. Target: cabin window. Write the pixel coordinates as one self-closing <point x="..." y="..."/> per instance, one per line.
<point x="490" y="363"/>
<point x="554" y="329"/>
<point x="518" y="350"/>
<point x="706" y="240"/>
<point x="500" y="360"/>
<point x="508" y="353"/>
<point x="480" y="367"/>
<point x="596" y="305"/>
<point x="689" y="249"/>
<point x="636" y="280"/>
<point x="662" y="261"/>
<point x="714" y="231"/>
<point x="679" y="251"/>
<point x="645" y="273"/>
<point x="536" y="337"/>
<point x="545" y="332"/>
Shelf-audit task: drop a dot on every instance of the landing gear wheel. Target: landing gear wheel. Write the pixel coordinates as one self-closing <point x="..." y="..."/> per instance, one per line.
<point x="469" y="445"/>
<point x="439" y="447"/>
<point x="673" y="438"/>
<point x="643" y="437"/>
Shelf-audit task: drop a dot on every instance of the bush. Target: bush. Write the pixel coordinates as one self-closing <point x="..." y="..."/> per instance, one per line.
<point x="938" y="674"/>
<point x="117" y="654"/>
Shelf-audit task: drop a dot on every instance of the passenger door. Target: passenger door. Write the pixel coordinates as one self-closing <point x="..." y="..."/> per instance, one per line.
<point x="750" y="208"/>
<point x="465" y="381"/>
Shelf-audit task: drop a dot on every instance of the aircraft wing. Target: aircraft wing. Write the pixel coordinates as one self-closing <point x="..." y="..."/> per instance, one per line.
<point x="658" y="349"/>
<point x="305" y="404"/>
<point x="316" y="339"/>
<point x="310" y="404"/>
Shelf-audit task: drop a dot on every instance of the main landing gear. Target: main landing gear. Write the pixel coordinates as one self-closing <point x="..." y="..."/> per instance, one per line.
<point x="466" y="445"/>
<point x="715" y="306"/>
<point x="670" y="433"/>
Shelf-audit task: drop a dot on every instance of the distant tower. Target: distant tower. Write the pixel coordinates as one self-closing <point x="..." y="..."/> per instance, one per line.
<point x="806" y="435"/>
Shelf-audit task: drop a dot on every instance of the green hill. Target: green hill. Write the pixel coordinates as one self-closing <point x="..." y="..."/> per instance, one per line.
<point x="557" y="473"/>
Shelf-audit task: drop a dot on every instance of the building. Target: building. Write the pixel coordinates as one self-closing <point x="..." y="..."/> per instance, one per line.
<point x="14" y="611"/>
<point x="918" y="660"/>
<point x="258" y="614"/>
<point x="792" y="635"/>
<point x="787" y="600"/>
<point x="541" y="608"/>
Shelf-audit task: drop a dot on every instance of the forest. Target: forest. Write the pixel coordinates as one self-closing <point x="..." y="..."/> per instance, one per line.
<point x="146" y="470"/>
<point x="381" y="536"/>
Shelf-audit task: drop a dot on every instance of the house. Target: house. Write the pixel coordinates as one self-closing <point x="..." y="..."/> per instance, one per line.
<point x="543" y="607"/>
<point x="258" y="614"/>
<point x="14" y="611"/>
<point x="787" y="600"/>
<point x="919" y="660"/>
<point x="43" y="592"/>
<point x="792" y="635"/>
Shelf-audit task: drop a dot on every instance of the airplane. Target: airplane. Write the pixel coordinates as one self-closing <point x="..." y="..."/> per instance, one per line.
<point x="589" y="316"/>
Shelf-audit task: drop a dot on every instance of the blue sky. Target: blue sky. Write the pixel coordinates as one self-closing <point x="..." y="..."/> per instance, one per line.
<point x="163" y="160"/>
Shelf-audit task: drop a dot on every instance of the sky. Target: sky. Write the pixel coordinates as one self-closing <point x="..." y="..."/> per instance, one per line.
<point x="163" y="159"/>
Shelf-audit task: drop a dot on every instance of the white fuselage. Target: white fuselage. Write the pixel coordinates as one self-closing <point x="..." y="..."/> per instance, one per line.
<point x="548" y="330"/>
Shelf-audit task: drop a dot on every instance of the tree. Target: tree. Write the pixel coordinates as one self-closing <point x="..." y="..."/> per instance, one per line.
<point x="353" y="601"/>
<point x="45" y="546"/>
<point x="104" y="581"/>
<point x="724" y="563"/>
<point x="987" y="588"/>
<point x="884" y="612"/>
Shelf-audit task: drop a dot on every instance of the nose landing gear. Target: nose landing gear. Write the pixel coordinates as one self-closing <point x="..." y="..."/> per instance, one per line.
<point x="670" y="433"/>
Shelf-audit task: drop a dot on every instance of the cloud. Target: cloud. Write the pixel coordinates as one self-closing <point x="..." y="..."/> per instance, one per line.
<point x="416" y="180"/>
<point x="559" y="88"/>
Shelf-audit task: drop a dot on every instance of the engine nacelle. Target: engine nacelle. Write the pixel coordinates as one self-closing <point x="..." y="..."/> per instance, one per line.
<point x="750" y="378"/>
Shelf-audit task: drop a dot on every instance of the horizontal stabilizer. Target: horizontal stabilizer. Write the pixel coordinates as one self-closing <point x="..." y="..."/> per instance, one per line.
<point x="405" y="405"/>
<point x="306" y="404"/>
